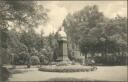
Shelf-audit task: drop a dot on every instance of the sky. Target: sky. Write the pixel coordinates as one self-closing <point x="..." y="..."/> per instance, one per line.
<point x="59" y="9"/>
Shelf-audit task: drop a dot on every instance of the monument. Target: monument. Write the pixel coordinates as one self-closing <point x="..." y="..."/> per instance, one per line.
<point x="62" y="55"/>
<point x="61" y="61"/>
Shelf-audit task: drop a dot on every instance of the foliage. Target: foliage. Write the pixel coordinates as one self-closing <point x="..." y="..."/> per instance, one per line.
<point x="85" y="26"/>
<point x="21" y="13"/>
<point x="87" y="29"/>
<point x="34" y="60"/>
<point x="31" y="39"/>
<point x="44" y="57"/>
<point x="92" y="32"/>
<point x="5" y="74"/>
<point x="17" y="22"/>
<point x="27" y="44"/>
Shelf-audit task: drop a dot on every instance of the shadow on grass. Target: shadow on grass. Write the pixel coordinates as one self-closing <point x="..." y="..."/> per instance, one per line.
<point x="16" y="71"/>
<point x="75" y="80"/>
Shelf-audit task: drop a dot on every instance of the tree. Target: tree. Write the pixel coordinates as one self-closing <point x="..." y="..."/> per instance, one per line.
<point x="93" y="33"/>
<point x="22" y="13"/>
<point x="21" y="16"/>
<point x="116" y="32"/>
<point x="85" y="27"/>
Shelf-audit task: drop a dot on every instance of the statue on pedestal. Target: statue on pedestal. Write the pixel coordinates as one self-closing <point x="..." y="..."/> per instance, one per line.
<point x="62" y="55"/>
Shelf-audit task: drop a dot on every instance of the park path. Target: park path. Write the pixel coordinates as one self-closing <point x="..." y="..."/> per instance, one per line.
<point x="103" y="73"/>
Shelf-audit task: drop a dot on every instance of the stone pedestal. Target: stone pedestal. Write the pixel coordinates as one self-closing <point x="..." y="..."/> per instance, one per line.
<point x="62" y="55"/>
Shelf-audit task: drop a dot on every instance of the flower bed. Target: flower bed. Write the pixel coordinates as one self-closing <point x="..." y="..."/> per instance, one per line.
<point x="71" y="68"/>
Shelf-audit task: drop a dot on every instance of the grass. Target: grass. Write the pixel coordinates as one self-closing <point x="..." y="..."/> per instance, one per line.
<point x="16" y="71"/>
<point x="76" y="80"/>
<point x="102" y="74"/>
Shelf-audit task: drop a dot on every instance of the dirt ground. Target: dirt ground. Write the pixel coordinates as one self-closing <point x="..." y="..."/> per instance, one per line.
<point x="103" y="73"/>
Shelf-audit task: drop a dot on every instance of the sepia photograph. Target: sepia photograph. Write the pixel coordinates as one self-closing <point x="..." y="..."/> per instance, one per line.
<point x="63" y="41"/>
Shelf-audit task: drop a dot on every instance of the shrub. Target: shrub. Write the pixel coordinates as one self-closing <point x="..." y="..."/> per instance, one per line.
<point x="21" y="58"/>
<point x="41" y="57"/>
<point x="44" y="60"/>
<point x="5" y="74"/>
<point x="79" y="60"/>
<point x="89" y="61"/>
<point x="34" y="60"/>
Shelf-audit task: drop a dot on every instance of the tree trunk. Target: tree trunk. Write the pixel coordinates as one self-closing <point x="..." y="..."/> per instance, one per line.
<point x="85" y="58"/>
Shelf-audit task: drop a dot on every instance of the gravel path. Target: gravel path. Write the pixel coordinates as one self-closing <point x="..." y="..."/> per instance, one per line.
<point x="103" y="73"/>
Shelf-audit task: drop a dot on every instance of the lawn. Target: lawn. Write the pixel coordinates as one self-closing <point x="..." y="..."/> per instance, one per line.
<point x="103" y="73"/>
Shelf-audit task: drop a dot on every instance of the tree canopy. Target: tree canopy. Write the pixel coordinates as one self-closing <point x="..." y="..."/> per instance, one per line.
<point x="22" y="14"/>
<point x="18" y="19"/>
<point x="95" y="33"/>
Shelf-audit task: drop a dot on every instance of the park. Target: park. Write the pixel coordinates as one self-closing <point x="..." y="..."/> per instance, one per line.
<point x="39" y="44"/>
